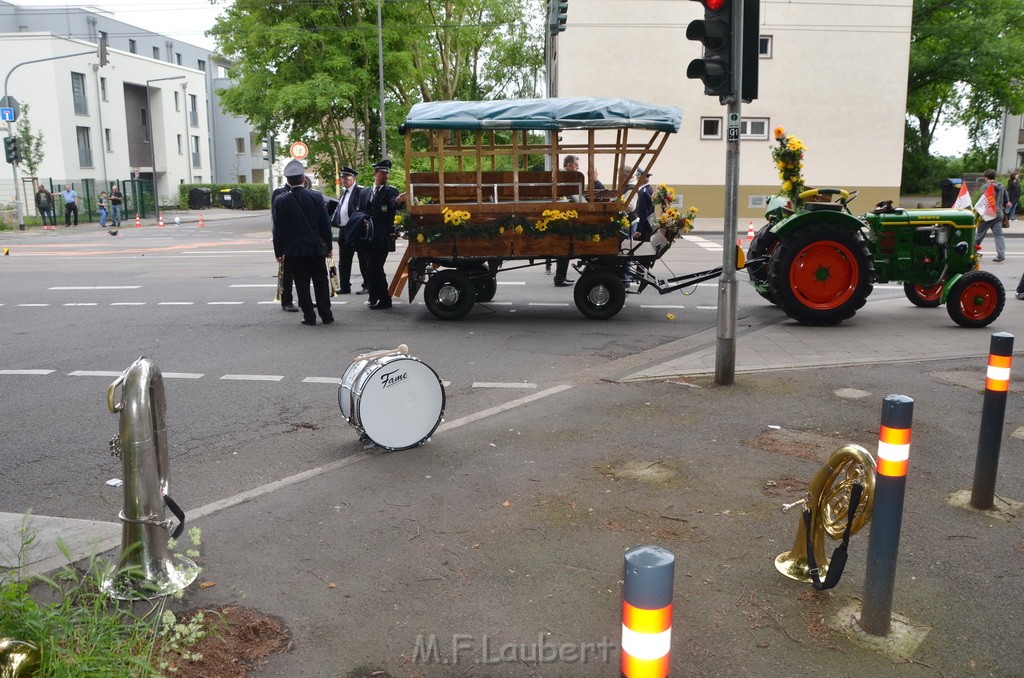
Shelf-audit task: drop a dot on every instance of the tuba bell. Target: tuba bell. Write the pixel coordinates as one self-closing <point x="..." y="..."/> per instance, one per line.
<point x="18" y="658"/>
<point x="828" y="498"/>
<point x="146" y="568"/>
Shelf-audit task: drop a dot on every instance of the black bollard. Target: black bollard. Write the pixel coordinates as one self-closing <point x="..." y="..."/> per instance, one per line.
<point x="997" y="383"/>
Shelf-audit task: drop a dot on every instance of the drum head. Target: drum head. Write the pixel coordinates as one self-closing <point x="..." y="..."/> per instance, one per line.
<point x="398" y="402"/>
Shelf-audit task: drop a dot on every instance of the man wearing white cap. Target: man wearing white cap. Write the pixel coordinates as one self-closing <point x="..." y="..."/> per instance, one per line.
<point x="302" y="240"/>
<point x="380" y="203"/>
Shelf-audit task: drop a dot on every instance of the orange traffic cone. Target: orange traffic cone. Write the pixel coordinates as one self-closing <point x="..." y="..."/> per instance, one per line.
<point x="160" y="221"/>
<point x="138" y="222"/>
<point x="202" y="224"/>
<point x="750" y="230"/>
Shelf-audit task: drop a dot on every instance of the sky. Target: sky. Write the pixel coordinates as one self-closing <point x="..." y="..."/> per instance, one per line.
<point x="182" y="19"/>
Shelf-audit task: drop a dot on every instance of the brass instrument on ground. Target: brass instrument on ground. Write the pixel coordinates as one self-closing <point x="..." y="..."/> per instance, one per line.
<point x="280" y="282"/>
<point x="828" y="498"/>
<point x="18" y="658"/>
<point x="332" y="275"/>
<point x="146" y="568"/>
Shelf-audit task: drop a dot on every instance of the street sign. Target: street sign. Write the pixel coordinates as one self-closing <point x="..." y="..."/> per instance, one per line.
<point x="299" y="150"/>
<point x="9" y="104"/>
<point x="7" y="115"/>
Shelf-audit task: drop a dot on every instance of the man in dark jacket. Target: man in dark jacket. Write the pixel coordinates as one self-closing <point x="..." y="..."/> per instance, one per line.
<point x="302" y="240"/>
<point x="380" y="203"/>
<point x="348" y="205"/>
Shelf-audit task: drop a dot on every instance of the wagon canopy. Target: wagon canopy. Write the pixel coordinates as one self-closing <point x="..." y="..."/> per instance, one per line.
<point x="543" y="114"/>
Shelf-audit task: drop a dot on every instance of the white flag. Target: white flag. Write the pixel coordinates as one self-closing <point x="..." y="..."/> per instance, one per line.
<point x="986" y="205"/>
<point x="963" y="201"/>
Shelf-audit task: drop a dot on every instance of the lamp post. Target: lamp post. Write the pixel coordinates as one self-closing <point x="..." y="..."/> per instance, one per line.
<point x="152" y="140"/>
<point x="380" y="77"/>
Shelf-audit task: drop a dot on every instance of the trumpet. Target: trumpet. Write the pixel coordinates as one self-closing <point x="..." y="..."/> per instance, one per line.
<point x="280" y="282"/>
<point x="332" y="271"/>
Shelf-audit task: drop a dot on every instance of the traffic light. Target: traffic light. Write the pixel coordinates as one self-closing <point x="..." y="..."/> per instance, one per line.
<point x="12" y="150"/>
<point x="714" y="32"/>
<point x="101" y="51"/>
<point x="559" y="13"/>
<point x="266" y="150"/>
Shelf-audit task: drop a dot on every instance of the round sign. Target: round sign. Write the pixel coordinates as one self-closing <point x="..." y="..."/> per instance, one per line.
<point x="299" y="150"/>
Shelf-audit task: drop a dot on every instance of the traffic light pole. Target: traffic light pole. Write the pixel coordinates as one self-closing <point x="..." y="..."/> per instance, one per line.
<point x="725" y="348"/>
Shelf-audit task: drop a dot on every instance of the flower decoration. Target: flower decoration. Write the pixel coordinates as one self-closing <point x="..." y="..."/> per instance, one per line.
<point x="457" y="224"/>
<point x="673" y="222"/>
<point x="664" y="196"/>
<point x="399" y="219"/>
<point x="455" y="217"/>
<point x="789" y="160"/>
<point x="555" y="218"/>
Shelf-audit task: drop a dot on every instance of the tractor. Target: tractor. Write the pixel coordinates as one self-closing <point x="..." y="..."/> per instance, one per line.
<point x="818" y="263"/>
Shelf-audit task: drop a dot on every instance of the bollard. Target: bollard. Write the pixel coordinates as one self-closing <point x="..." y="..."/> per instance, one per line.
<point x="887" y="515"/>
<point x="997" y="383"/>
<point x="647" y="612"/>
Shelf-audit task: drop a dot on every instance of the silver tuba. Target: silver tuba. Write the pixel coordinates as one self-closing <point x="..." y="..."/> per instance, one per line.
<point x="146" y="568"/>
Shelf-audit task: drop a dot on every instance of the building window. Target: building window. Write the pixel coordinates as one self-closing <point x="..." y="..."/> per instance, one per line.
<point x="84" y="147"/>
<point x="103" y="89"/>
<point x="202" y="65"/>
<point x="177" y="102"/>
<point x="156" y="52"/>
<point x="196" y="160"/>
<point x="754" y="128"/>
<point x="180" y="149"/>
<point x="193" y="110"/>
<point x="239" y="145"/>
<point x="241" y="179"/>
<point x="1020" y="159"/>
<point x="710" y="128"/>
<point x="177" y="58"/>
<point x="107" y="141"/>
<point x="133" y="46"/>
<point x="764" y="47"/>
<point x="145" y="126"/>
<point x="78" y="92"/>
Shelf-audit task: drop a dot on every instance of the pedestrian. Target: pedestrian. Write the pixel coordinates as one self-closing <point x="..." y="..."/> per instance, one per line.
<point x="101" y="205"/>
<point x="302" y="242"/>
<point x="644" y="205"/>
<point x="380" y="202"/>
<point x="70" y="204"/>
<point x="351" y="194"/>
<point x="116" y="205"/>
<point x="287" y="300"/>
<point x="1013" y="194"/>
<point x="995" y="223"/>
<point x="44" y="203"/>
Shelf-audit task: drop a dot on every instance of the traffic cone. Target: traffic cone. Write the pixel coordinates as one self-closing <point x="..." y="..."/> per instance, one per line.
<point x="160" y="221"/>
<point x="138" y="222"/>
<point x="202" y="224"/>
<point x="750" y="230"/>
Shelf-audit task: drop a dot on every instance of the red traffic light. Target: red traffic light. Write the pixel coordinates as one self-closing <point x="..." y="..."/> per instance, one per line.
<point x="713" y="5"/>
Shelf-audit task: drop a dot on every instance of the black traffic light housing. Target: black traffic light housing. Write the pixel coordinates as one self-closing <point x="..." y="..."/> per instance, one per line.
<point x="714" y="32"/>
<point x="101" y="51"/>
<point x="558" y="14"/>
<point x="12" y="150"/>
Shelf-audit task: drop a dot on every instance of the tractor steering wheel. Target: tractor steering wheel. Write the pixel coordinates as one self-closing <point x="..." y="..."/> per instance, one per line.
<point x="812" y="192"/>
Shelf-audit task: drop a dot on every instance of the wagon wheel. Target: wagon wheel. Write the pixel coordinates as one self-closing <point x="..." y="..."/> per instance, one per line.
<point x="599" y="294"/>
<point x="484" y="282"/>
<point x="764" y="243"/>
<point x="449" y="295"/>
<point x="976" y="299"/>
<point x="925" y="296"/>
<point x="821" y="274"/>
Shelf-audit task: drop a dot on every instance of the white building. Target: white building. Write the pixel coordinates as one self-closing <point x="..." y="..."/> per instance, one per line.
<point x="1011" y="143"/>
<point x="832" y="72"/>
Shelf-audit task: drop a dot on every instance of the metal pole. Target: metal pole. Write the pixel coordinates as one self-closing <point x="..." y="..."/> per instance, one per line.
<point x="887" y="513"/>
<point x="99" y="113"/>
<point x="725" y="349"/>
<point x="380" y="75"/>
<point x="17" y="189"/>
<point x="993" y="411"/>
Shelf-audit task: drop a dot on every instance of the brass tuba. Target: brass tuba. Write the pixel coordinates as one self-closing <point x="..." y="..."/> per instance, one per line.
<point x="280" y="282"/>
<point x="332" y="276"/>
<point x="146" y="568"/>
<point x="18" y="658"/>
<point x="828" y="498"/>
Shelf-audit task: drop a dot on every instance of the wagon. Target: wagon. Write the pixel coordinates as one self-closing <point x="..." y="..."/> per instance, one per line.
<point x="486" y="194"/>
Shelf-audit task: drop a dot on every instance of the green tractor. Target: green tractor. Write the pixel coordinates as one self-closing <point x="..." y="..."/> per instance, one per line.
<point x="819" y="263"/>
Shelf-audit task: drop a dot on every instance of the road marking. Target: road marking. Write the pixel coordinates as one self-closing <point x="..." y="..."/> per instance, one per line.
<point x="33" y="305"/>
<point x="224" y="303"/>
<point x="707" y="308"/>
<point x="260" y="285"/>
<point x="547" y="303"/>
<point x="175" y="303"/>
<point x="26" y="371"/>
<point x="269" y="302"/>
<point x="127" y="303"/>
<point x="659" y="306"/>
<point x="468" y="419"/>
<point x="495" y="303"/>
<point x="253" y="377"/>
<point x="321" y="380"/>
<point x="94" y="373"/>
<point x="182" y="375"/>
<point x="98" y="287"/>
<point x="497" y="384"/>
<point x="82" y="304"/>
<point x="511" y="282"/>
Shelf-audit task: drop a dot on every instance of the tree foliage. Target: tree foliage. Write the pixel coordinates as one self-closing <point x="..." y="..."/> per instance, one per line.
<point x="32" y="149"/>
<point x="310" y="69"/>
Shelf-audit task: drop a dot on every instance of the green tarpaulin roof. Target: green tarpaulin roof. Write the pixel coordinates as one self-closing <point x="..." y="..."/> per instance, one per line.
<point x="544" y="114"/>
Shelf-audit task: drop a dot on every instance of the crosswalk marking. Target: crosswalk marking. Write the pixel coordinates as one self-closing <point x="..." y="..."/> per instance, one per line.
<point x="252" y="377"/>
<point x="41" y="372"/>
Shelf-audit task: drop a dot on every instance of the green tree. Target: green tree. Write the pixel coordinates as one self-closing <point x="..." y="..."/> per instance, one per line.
<point x="31" y="143"/>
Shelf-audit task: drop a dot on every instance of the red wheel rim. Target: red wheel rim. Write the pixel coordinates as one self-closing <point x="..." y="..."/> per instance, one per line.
<point x="824" y="275"/>
<point x="929" y="292"/>
<point x="979" y="300"/>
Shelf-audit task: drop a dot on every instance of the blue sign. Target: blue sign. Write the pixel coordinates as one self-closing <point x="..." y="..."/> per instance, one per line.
<point x="7" y="115"/>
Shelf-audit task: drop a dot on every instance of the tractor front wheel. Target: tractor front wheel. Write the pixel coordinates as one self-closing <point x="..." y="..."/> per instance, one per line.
<point x="925" y="296"/>
<point x="976" y="299"/>
<point x="821" y="274"/>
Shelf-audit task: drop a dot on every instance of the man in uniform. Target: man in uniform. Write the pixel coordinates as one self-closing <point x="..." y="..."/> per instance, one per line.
<point x="350" y="196"/>
<point x="302" y="240"/>
<point x="380" y="203"/>
<point x="287" y="301"/>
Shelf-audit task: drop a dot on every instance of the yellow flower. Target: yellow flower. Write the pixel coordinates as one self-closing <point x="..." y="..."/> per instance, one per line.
<point x="501" y="230"/>
<point x="542" y="226"/>
<point x="420" y="238"/>
<point x="693" y="209"/>
<point x="519" y="229"/>
<point x="596" y="238"/>
<point x="398" y="219"/>
<point x="787" y="186"/>
<point x="779" y="132"/>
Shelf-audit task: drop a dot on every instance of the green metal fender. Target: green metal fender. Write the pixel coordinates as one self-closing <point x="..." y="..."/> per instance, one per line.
<point x="947" y="286"/>
<point x="796" y="221"/>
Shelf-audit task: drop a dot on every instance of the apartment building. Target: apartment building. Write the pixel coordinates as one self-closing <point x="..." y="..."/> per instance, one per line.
<point x="1011" y="143"/>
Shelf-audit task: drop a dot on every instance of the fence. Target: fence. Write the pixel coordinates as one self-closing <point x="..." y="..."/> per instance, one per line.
<point x="138" y="196"/>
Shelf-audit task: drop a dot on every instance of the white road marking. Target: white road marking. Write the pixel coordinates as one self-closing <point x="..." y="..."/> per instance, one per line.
<point x="495" y="303"/>
<point x="26" y="371"/>
<point x="94" y="373"/>
<point x="253" y="377"/>
<point x="224" y="303"/>
<point x="182" y="375"/>
<point x="445" y="383"/>
<point x="511" y="282"/>
<point x="707" y="308"/>
<point x="33" y="305"/>
<point x="175" y="303"/>
<point x="259" y="285"/>
<point x="269" y="302"/>
<point x="547" y="303"/>
<point x="98" y="287"/>
<point x="128" y="303"/>
<point x="82" y="304"/>
<point x="497" y="384"/>
<point x="468" y="419"/>
<point x="659" y="306"/>
<point x="321" y="380"/>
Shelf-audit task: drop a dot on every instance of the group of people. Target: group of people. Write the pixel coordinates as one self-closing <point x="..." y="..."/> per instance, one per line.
<point x="1006" y="201"/>
<point x="45" y="204"/>
<point x="303" y="238"/>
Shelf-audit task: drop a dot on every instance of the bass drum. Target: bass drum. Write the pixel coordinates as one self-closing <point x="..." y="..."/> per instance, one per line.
<point x="396" y="401"/>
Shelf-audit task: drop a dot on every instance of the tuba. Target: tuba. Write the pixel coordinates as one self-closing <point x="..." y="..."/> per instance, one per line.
<point x="280" y="282"/>
<point x="146" y="568"/>
<point x="332" y="275"/>
<point x="828" y="499"/>
<point x="18" y="658"/>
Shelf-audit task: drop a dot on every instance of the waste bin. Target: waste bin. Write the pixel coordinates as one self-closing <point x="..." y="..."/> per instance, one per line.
<point x="231" y="198"/>
<point x="950" y="190"/>
<point x="199" y="198"/>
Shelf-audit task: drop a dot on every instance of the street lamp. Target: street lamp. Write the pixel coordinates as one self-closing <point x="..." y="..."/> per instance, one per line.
<point x="152" y="139"/>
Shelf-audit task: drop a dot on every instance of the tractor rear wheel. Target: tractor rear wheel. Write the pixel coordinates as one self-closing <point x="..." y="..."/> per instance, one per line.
<point x="925" y="296"/>
<point x="976" y="299"/>
<point x="762" y="245"/>
<point x="821" y="274"/>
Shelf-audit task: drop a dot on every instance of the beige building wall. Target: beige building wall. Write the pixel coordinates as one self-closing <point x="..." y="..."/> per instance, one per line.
<point x="835" y="77"/>
<point x="1011" y="143"/>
